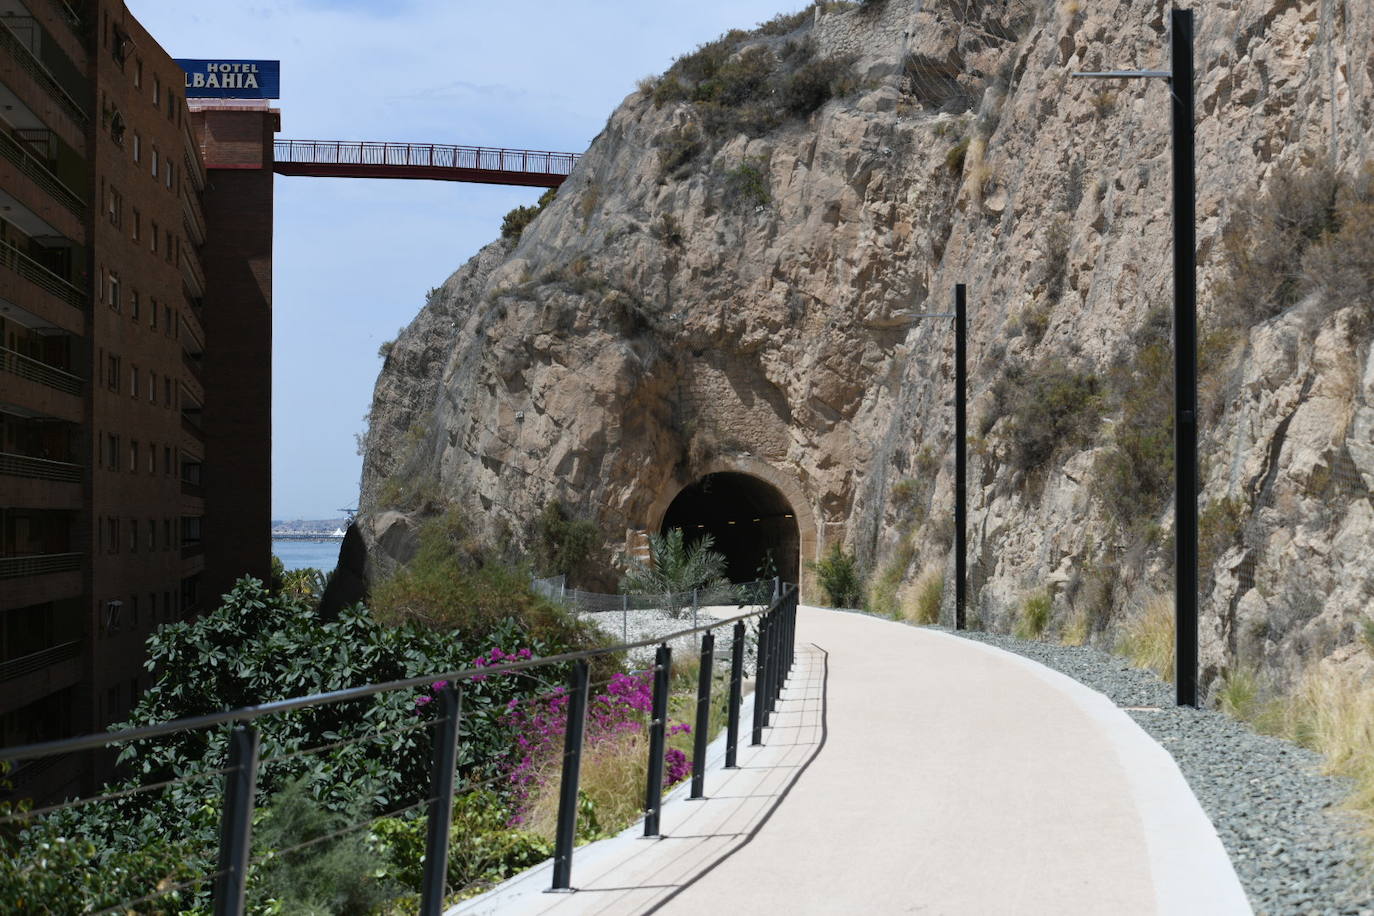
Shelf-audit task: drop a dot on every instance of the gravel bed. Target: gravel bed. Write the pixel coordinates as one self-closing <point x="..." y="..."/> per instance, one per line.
<point x="1276" y="813"/>
<point x="651" y="624"/>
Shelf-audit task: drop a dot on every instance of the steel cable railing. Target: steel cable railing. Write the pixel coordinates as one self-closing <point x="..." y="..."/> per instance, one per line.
<point x="244" y="765"/>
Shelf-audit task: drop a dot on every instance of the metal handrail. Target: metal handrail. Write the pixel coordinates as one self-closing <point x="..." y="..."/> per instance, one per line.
<point x="25" y="57"/>
<point x="40" y="174"/>
<point x="39" y="564"/>
<point x="249" y="713"/>
<point x="39" y="468"/>
<point x="436" y="155"/>
<point x="38" y="371"/>
<point x="39" y="275"/>
<point x="776" y="640"/>
<point x="36" y="661"/>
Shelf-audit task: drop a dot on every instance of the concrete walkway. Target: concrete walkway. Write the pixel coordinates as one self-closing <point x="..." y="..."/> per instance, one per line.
<point x="909" y="771"/>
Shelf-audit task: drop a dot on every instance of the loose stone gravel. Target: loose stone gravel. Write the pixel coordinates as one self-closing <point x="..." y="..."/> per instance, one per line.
<point x="638" y="625"/>
<point x="1276" y="813"/>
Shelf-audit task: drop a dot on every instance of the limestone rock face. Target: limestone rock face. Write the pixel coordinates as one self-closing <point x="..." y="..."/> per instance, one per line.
<point x="756" y="310"/>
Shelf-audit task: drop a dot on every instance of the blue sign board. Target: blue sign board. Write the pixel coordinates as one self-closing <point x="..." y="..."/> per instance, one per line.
<point x="232" y="79"/>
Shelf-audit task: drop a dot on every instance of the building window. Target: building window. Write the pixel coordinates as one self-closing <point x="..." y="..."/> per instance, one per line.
<point x="112" y="451"/>
<point x="167" y="324"/>
<point x="152" y="545"/>
<point x="152" y="390"/>
<point x="168" y="171"/>
<point x="167" y="391"/>
<point x="114" y="205"/>
<point x="153" y="241"/>
<point x="138" y="73"/>
<point x="154" y="158"/>
<point x="112" y="290"/>
<point x="112" y="535"/>
<point x="167" y="469"/>
<point x="133" y="536"/>
<point x="133" y="304"/>
<point x="138" y="225"/>
<point x="152" y="312"/>
<point x="152" y="469"/>
<point x="112" y="372"/>
<point x="157" y="91"/>
<point x="168" y="251"/>
<point x="133" y="456"/>
<point x="133" y="381"/>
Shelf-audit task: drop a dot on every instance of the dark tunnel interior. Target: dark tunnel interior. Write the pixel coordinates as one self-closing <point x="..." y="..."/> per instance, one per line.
<point x="749" y="520"/>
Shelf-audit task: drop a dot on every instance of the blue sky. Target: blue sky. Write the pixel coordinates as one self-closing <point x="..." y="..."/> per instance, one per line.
<point x="353" y="258"/>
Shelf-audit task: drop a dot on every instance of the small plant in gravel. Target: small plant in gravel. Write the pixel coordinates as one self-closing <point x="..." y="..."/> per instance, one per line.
<point x="839" y="576"/>
<point x="1034" y="616"/>
<point x="1147" y="639"/>
<point x="1239" y="693"/>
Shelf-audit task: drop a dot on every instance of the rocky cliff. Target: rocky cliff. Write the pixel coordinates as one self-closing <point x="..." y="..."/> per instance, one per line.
<point x="732" y="280"/>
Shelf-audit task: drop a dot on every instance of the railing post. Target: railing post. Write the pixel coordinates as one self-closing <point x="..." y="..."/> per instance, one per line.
<point x="236" y="823"/>
<point x="760" y="680"/>
<point x="653" y="795"/>
<point x="736" y="686"/>
<point x="703" y="723"/>
<point x="441" y="779"/>
<point x="624" y="619"/>
<point x="565" y="833"/>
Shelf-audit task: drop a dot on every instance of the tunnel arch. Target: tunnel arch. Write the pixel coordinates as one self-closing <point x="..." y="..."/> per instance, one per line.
<point x="742" y="489"/>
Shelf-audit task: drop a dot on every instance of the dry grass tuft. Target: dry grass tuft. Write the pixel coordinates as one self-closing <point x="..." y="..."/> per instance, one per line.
<point x="921" y="599"/>
<point x="1148" y="639"/>
<point x="613" y="775"/>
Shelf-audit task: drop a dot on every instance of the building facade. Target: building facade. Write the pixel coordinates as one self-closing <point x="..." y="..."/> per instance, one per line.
<point x="132" y="396"/>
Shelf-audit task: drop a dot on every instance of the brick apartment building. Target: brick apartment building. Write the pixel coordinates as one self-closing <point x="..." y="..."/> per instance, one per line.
<point x="135" y="364"/>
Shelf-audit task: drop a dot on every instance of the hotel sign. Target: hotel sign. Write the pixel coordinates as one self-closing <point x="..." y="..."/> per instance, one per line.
<point x="232" y="79"/>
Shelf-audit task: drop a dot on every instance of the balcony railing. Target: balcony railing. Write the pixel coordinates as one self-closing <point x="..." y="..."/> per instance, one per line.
<point x="191" y="272"/>
<point x="40" y="372"/>
<point x="38" y="275"/>
<point x="32" y="166"/>
<point x="192" y="427"/>
<point x="37" y="661"/>
<point x="39" y="564"/>
<point x="194" y="366"/>
<point x="191" y="549"/>
<point x="192" y="489"/>
<point x="34" y="67"/>
<point x="39" y="468"/>
<point x="194" y="218"/>
<point x="70" y="16"/>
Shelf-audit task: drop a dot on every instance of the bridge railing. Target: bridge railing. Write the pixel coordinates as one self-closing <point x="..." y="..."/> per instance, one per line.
<point x="430" y="155"/>
<point x="774" y="630"/>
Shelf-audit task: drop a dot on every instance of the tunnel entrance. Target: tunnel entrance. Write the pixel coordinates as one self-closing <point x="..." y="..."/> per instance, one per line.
<point x="749" y="520"/>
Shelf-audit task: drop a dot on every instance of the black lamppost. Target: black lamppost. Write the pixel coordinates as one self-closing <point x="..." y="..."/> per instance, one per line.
<point x="960" y="316"/>
<point x="1180" y="77"/>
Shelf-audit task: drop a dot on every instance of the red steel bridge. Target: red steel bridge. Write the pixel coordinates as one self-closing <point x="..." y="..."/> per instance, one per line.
<point x="365" y="159"/>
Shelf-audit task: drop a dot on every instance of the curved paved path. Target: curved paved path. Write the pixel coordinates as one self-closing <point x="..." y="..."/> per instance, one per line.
<point x="909" y="771"/>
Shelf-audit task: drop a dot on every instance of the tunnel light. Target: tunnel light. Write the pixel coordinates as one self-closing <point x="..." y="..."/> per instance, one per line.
<point x="787" y="516"/>
<point x="731" y="522"/>
<point x="758" y="519"/>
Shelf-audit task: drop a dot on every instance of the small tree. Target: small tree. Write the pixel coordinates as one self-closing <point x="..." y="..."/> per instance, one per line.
<point x="839" y="576"/>
<point x="675" y="567"/>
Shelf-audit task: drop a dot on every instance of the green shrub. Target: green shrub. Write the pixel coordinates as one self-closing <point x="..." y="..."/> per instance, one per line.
<point x="1048" y="407"/>
<point x="954" y="159"/>
<point x="455" y="582"/>
<point x="561" y="544"/>
<point x="814" y="83"/>
<point x="786" y="23"/>
<point x="1134" y="476"/>
<point x="748" y="183"/>
<point x="516" y="220"/>
<point x="677" y="148"/>
<point x="1034" y="616"/>
<point x="838" y="573"/>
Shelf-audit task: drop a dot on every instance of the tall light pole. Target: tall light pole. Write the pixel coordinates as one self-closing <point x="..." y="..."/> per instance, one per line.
<point x="1180" y="77"/>
<point x="960" y="316"/>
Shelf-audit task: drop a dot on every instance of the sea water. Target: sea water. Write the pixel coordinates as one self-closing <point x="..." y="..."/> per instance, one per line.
<point x="320" y="554"/>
